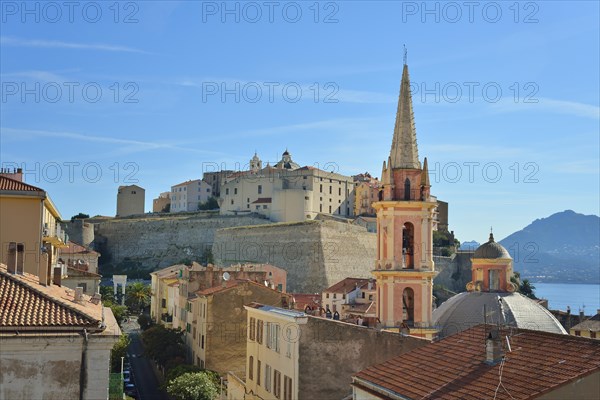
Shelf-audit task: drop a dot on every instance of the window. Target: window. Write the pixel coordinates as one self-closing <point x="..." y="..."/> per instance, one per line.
<point x="321" y="188"/>
<point x="227" y="191"/>
<point x="258" y="207"/>
<point x="363" y="295"/>
<point x="306" y="198"/>
<point x="247" y="205"/>
<point x="188" y="328"/>
<point x="258" y="371"/>
<point x="202" y="343"/>
<point x="265" y="207"/>
<point x="163" y="303"/>
<point x="340" y="191"/>
<point x="83" y="286"/>
<point x="133" y="192"/>
<point x="273" y="336"/>
<point x="287" y="388"/>
<point x="577" y="333"/>
<point x="259" y="189"/>
<point x="344" y="296"/>
<point x="593" y="334"/>
<point x="277" y="384"/>
<point x="330" y="189"/>
<point x="208" y="190"/>
<point x="248" y="200"/>
<point x="259" y="331"/>
<point x="198" y="197"/>
<point x="252" y="330"/>
<point x="334" y="295"/>
<point x="234" y="190"/>
<point x="268" y="377"/>
<point x="288" y="341"/>
<point x="320" y="207"/>
<point x="231" y="201"/>
<point x="327" y="295"/>
<point x="329" y="206"/>
<point x="371" y="297"/>
<point x="194" y="334"/>
<point x="251" y="368"/>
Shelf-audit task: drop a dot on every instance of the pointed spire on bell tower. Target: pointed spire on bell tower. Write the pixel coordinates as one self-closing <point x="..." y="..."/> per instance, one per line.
<point x="425" y="174"/>
<point x="404" y="153"/>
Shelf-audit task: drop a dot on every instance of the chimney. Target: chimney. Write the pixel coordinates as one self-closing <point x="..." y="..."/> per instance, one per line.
<point x="370" y="286"/>
<point x="493" y="348"/>
<point x="11" y="262"/>
<point x="78" y="294"/>
<point x="56" y="276"/>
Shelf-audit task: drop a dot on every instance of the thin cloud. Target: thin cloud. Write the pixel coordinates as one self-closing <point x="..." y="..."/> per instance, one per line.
<point x="129" y="146"/>
<point x="550" y="105"/>
<point x="54" y="44"/>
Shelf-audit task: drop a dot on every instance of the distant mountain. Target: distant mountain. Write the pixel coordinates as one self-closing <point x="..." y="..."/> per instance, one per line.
<point x="469" y="246"/>
<point x="565" y="247"/>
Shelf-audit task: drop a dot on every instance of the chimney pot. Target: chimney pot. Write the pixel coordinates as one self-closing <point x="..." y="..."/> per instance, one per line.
<point x="78" y="294"/>
<point x="493" y="348"/>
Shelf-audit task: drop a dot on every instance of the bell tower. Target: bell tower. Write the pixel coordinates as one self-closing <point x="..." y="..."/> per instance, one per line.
<point x="404" y="269"/>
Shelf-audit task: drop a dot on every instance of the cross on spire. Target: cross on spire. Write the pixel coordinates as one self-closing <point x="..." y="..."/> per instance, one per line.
<point x="405" y="55"/>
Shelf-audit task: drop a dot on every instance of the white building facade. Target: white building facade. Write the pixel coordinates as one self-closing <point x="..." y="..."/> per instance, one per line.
<point x="187" y="196"/>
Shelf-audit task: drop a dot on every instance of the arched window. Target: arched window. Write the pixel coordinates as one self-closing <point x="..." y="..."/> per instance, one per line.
<point x="406" y="189"/>
<point x="408" y="245"/>
<point x="408" y="306"/>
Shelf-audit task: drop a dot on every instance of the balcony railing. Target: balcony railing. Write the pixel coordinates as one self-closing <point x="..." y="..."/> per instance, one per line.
<point x="166" y="318"/>
<point x="57" y="237"/>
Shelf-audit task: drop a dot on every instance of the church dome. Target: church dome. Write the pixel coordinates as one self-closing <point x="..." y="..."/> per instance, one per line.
<point x="491" y="250"/>
<point x="466" y="310"/>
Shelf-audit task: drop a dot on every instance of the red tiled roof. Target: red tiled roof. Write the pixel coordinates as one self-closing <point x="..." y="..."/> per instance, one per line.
<point x="231" y="284"/>
<point x="262" y="200"/>
<point x="302" y="300"/>
<point x="17" y="186"/>
<point x="71" y="271"/>
<point x="27" y="305"/>
<point x="348" y="285"/>
<point x="591" y="324"/>
<point x="454" y="368"/>
<point x="75" y="248"/>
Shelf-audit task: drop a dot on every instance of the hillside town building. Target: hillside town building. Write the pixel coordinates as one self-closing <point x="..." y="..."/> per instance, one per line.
<point x="287" y="192"/>
<point x="189" y="195"/>
<point x="162" y="203"/>
<point x="130" y="200"/>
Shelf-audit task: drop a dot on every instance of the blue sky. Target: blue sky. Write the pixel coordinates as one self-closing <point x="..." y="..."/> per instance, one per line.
<point x="506" y="97"/>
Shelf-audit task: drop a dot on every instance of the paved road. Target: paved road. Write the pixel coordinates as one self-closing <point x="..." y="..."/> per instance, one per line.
<point x="143" y="374"/>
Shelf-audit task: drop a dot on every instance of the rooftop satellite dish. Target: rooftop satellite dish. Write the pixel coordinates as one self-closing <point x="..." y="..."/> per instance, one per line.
<point x="226" y="276"/>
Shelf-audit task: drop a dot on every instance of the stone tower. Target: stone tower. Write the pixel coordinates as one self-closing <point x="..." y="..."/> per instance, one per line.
<point x="404" y="269"/>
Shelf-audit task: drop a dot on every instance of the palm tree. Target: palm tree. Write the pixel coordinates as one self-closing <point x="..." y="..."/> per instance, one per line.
<point x="527" y="289"/>
<point x="137" y="295"/>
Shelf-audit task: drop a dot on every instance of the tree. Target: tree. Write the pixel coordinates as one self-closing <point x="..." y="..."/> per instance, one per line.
<point x="119" y="350"/>
<point x="163" y="344"/>
<point x="137" y="296"/>
<point x="210" y="204"/>
<point x="207" y="256"/>
<point x="120" y="312"/>
<point x="144" y="321"/>
<point x="79" y="216"/>
<point x="107" y="293"/>
<point x="179" y="370"/>
<point x="527" y="289"/>
<point x="193" y="386"/>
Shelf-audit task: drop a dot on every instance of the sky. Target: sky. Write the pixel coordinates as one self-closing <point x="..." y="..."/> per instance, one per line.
<point x="506" y="97"/>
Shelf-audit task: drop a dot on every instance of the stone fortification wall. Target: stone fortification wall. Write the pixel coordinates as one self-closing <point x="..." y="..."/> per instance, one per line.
<point x="157" y="241"/>
<point x="315" y="254"/>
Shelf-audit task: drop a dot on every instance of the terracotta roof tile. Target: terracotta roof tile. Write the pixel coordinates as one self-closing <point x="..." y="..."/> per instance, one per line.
<point x="454" y="367"/>
<point x="348" y="285"/>
<point x="27" y="305"/>
<point x="17" y="186"/>
<point x="75" y="248"/>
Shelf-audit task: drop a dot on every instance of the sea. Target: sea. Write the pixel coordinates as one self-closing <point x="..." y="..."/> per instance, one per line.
<point x="577" y="296"/>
